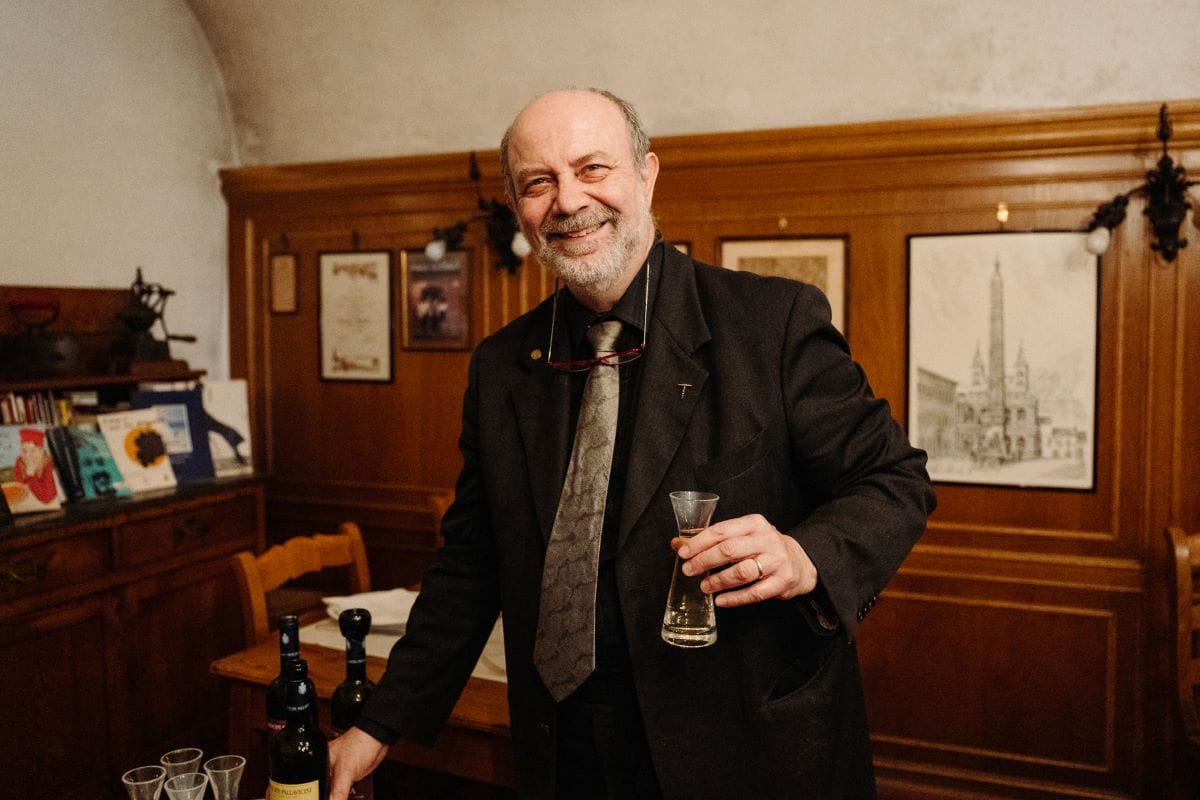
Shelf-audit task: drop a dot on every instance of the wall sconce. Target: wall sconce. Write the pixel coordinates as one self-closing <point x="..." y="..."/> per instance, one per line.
<point x="1166" y="203"/>
<point x="503" y="233"/>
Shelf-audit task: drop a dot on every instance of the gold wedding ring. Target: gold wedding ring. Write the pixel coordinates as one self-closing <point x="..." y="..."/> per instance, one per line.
<point x="761" y="574"/>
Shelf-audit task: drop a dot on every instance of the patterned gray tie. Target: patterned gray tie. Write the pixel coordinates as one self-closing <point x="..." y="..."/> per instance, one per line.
<point x="565" y="648"/>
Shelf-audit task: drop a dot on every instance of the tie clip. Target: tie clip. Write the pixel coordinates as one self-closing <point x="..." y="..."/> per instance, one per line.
<point x="683" y="387"/>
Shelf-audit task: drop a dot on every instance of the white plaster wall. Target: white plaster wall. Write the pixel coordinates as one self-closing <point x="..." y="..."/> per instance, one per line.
<point x="113" y="119"/>
<point x="313" y="80"/>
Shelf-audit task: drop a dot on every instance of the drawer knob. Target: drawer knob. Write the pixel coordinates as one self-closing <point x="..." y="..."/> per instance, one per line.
<point x="190" y="530"/>
<point x="25" y="570"/>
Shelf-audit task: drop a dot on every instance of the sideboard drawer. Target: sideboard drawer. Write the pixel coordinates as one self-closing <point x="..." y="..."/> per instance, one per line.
<point x="52" y="565"/>
<point x="188" y="528"/>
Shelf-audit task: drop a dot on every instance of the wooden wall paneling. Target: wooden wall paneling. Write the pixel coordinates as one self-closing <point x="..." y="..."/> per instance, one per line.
<point x="398" y="523"/>
<point x="991" y="642"/>
<point x="1020" y="651"/>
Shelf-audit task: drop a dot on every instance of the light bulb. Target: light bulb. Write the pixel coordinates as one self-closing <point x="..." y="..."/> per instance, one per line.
<point x="520" y="245"/>
<point x="436" y="250"/>
<point x="1097" y="241"/>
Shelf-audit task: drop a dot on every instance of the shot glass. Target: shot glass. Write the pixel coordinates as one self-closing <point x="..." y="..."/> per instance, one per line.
<point x="690" y="619"/>
<point x="225" y="775"/>
<point x="144" y="783"/>
<point x="187" y="786"/>
<point x="185" y="759"/>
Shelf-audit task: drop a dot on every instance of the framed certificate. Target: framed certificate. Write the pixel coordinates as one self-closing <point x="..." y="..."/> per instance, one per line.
<point x="356" y="316"/>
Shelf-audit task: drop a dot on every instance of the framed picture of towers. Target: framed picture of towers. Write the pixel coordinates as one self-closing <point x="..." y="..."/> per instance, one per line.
<point x="1002" y="332"/>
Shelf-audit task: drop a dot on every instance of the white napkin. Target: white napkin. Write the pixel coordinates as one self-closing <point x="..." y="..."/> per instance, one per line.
<point x="389" y="608"/>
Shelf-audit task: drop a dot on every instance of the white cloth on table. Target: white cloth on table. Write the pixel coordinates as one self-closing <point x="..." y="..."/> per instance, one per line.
<point x="389" y="608"/>
<point x="389" y="613"/>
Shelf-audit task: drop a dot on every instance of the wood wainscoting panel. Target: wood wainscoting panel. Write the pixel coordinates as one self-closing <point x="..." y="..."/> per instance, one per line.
<point x="399" y="523"/>
<point x="1020" y="669"/>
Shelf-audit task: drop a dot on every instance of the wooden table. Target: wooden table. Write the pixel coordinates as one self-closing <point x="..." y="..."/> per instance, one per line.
<point x="475" y="743"/>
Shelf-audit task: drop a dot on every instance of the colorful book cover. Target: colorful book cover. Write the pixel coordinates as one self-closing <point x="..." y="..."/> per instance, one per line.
<point x="227" y="408"/>
<point x="27" y="470"/>
<point x="137" y="440"/>
<point x="66" y="461"/>
<point x="99" y="475"/>
<point x="182" y="411"/>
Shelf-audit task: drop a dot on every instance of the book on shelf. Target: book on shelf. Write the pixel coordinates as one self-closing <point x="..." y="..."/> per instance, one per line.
<point x="86" y="466"/>
<point x="182" y="412"/>
<point x="66" y="461"/>
<point x="6" y="516"/>
<point x="27" y="473"/>
<point x="227" y="409"/>
<point x="35" y="407"/>
<point x="137" y="439"/>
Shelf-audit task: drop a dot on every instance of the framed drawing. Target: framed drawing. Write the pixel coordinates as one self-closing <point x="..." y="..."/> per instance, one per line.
<point x="1002" y="331"/>
<point x="437" y="310"/>
<point x="819" y="261"/>
<point x="355" y="330"/>
<point x="283" y="283"/>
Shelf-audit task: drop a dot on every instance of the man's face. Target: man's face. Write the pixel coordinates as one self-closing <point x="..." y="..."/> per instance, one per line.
<point x="582" y="201"/>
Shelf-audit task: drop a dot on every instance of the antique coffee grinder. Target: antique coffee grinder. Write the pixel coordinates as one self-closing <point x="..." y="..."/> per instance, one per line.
<point x="135" y="344"/>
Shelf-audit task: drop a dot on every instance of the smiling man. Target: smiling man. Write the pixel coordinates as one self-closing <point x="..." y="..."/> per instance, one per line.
<point x="582" y="191"/>
<point x="649" y="373"/>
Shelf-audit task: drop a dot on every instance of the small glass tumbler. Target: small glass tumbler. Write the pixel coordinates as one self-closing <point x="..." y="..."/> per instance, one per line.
<point x="690" y="619"/>
<point x="187" y="786"/>
<point x="144" y="783"/>
<point x="185" y="759"/>
<point x="225" y="774"/>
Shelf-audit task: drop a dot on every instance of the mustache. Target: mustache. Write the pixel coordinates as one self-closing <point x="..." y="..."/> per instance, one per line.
<point x="578" y="221"/>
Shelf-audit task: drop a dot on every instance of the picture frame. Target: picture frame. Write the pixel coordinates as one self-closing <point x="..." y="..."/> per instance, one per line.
<point x="283" y="283"/>
<point x="817" y="260"/>
<point x="1002" y="357"/>
<point x="436" y="296"/>
<point x="355" y="331"/>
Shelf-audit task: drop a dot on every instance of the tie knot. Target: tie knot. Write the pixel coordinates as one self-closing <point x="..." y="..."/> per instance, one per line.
<point x="603" y="335"/>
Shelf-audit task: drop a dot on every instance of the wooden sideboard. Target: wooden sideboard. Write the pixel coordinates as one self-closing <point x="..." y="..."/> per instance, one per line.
<point x="110" y="614"/>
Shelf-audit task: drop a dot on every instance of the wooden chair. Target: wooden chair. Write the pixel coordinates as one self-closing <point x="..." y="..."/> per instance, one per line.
<point x="1186" y="550"/>
<point x="300" y="556"/>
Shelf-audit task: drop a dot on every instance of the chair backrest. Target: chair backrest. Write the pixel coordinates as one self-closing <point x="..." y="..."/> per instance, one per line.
<point x="1186" y="550"/>
<point x="298" y="556"/>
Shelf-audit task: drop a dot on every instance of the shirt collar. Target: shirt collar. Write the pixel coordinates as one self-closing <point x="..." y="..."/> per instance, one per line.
<point x="630" y="309"/>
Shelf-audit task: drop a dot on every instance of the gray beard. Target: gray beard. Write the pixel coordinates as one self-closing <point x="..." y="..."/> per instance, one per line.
<point x="604" y="269"/>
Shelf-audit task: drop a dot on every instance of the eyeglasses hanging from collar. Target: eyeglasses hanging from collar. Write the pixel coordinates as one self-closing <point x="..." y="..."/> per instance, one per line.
<point x="617" y="359"/>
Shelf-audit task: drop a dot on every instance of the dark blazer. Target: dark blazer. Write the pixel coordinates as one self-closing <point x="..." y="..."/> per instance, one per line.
<point x="778" y="421"/>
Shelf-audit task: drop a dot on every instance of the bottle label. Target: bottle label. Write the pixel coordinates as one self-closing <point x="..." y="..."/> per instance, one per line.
<point x="294" y="791"/>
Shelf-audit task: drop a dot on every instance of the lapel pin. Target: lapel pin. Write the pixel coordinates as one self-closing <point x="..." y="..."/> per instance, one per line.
<point x="683" y="387"/>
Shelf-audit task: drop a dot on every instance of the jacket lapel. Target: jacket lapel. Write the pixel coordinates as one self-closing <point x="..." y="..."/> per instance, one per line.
<point x="664" y="407"/>
<point x="541" y="403"/>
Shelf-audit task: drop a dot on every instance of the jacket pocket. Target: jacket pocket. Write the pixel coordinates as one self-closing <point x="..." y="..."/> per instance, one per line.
<point x="732" y="464"/>
<point x="803" y="670"/>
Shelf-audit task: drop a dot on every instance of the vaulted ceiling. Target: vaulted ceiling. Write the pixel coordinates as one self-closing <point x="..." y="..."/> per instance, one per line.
<point x="312" y="80"/>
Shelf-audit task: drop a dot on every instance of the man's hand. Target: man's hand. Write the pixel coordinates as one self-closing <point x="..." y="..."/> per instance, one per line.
<point x="750" y="553"/>
<point x="352" y="756"/>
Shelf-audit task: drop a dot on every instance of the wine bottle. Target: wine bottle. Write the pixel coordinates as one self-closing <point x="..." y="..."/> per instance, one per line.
<point x="298" y="765"/>
<point x="351" y="694"/>
<point x="289" y="648"/>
